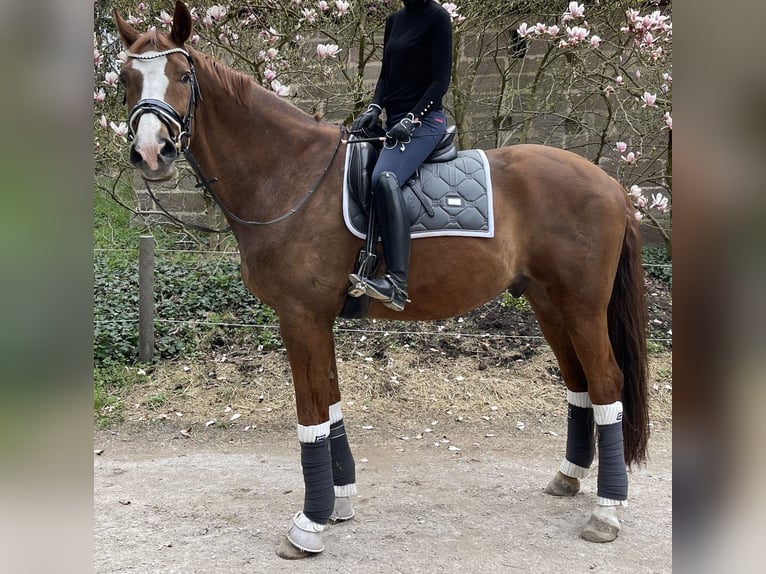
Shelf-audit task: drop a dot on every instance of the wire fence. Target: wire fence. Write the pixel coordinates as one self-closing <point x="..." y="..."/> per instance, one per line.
<point x="146" y="322"/>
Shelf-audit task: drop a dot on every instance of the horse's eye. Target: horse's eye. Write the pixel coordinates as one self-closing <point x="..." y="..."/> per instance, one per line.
<point x="186" y="78"/>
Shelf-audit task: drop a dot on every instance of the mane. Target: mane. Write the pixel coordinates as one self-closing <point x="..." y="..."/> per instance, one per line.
<point x="243" y="88"/>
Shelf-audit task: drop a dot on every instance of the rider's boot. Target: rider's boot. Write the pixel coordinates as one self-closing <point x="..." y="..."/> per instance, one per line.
<point x="394" y="222"/>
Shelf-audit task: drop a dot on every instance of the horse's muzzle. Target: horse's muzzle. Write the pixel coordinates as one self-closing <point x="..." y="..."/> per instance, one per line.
<point x="155" y="161"/>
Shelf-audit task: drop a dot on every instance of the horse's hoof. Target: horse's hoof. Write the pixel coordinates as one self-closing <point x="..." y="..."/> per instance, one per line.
<point x="603" y="525"/>
<point x="287" y="551"/>
<point x="305" y="537"/>
<point x="563" y="485"/>
<point x="343" y="510"/>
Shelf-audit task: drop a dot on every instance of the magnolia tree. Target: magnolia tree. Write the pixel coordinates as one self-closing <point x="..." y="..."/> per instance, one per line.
<point x="595" y="78"/>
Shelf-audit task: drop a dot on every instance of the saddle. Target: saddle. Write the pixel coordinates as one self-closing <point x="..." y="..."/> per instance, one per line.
<point x="362" y="160"/>
<point x="450" y="195"/>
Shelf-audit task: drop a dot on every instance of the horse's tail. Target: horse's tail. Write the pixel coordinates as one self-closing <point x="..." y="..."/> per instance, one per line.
<point x="628" y="317"/>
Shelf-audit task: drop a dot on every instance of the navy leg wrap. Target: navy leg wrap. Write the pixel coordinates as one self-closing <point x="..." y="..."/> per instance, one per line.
<point x="581" y="437"/>
<point x="612" y="476"/>
<point x="343" y="467"/>
<point x="319" y="500"/>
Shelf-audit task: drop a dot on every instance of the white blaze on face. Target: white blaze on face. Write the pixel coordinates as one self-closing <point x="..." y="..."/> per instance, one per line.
<point x="147" y="140"/>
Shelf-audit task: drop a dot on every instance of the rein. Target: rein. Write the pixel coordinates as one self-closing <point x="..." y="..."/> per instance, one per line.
<point x="180" y="130"/>
<point x="205" y="184"/>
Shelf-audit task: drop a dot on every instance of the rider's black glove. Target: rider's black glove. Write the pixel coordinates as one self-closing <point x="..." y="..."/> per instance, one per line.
<point x="402" y="131"/>
<point x="367" y="119"/>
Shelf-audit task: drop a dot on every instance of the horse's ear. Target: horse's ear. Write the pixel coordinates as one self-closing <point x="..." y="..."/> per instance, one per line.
<point x="128" y="34"/>
<point x="182" y="24"/>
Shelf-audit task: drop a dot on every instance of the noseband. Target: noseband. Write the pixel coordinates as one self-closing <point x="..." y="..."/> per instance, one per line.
<point x="179" y="127"/>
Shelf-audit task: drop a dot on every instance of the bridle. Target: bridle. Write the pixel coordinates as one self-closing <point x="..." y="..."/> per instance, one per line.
<point x="180" y="131"/>
<point x="179" y="127"/>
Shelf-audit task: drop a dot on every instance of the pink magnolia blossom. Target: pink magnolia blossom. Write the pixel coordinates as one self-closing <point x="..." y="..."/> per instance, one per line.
<point x="165" y="19"/>
<point x="540" y="28"/>
<point x="216" y="12"/>
<point x="553" y="30"/>
<point x="649" y="99"/>
<point x="194" y="39"/>
<point x="325" y="51"/>
<point x="621" y="147"/>
<point x="660" y="202"/>
<point x="269" y="74"/>
<point x="270" y="54"/>
<point x="452" y="10"/>
<point x="523" y="30"/>
<point x="595" y="41"/>
<point x="618" y="80"/>
<point x="98" y="57"/>
<point x="323" y="6"/>
<point x="135" y="21"/>
<point x="574" y="11"/>
<point x="577" y="34"/>
<point x="141" y="7"/>
<point x="635" y="190"/>
<point x="99" y="96"/>
<point x="110" y="79"/>
<point x="120" y="129"/>
<point x="668" y="121"/>
<point x="309" y="15"/>
<point x="342" y="7"/>
<point x="102" y="122"/>
<point x="630" y="158"/>
<point x="280" y="89"/>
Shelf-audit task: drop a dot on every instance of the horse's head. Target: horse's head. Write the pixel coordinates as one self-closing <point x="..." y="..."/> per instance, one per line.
<point x="161" y="92"/>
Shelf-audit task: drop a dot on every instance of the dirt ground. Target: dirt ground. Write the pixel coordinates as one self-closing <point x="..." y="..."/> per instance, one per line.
<point x="219" y="503"/>
<point x="444" y="489"/>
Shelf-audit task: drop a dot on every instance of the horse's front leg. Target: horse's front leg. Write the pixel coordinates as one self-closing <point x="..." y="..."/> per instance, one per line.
<point x="328" y="467"/>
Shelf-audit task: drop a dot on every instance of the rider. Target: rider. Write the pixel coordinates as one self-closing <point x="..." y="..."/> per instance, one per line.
<point x="414" y="77"/>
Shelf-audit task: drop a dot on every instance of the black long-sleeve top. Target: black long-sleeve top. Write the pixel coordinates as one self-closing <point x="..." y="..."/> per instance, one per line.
<point x="417" y="61"/>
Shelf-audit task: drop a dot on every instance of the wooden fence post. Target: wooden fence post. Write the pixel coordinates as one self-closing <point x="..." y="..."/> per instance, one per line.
<point x="146" y="298"/>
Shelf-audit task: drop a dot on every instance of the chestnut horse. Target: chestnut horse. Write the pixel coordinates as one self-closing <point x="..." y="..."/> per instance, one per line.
<point x="565" y="238"/>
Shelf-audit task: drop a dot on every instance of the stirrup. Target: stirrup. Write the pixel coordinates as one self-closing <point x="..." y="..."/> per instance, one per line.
<point x="395" y="300"/>
<point x="358" y="285"/>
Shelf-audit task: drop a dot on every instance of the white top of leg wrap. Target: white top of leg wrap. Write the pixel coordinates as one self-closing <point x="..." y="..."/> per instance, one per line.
<point x="310" y="434"/>
<point x="601" y="501"/>
<point x="579" y="399"/>
<point x="608" y="414"/>
<point x="572" y="470"/>
<point x="335" y="413"/>
<point x="346" y="490"/>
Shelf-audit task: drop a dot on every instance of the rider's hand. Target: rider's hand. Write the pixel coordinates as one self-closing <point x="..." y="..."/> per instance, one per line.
<point x="402" y="130"/>
<point x="367" y="119"/>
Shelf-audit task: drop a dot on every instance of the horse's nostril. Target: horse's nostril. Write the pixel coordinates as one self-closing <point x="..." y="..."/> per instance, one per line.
<point x="135" y="157"/>
<point x="168" y="152"/>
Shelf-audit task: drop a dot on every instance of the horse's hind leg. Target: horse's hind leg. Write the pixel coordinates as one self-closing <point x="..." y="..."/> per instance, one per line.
<point x="581" y="344"/>
<point x="590" y="340"/>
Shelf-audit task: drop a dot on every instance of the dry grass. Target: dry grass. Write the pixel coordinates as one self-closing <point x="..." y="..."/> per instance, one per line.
<point x="398" y="387"/>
